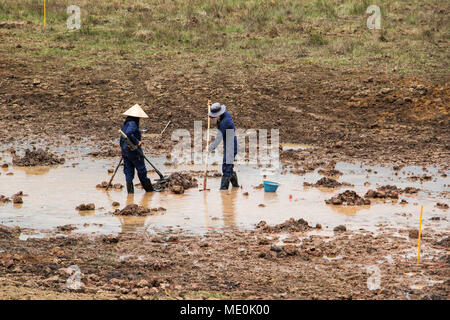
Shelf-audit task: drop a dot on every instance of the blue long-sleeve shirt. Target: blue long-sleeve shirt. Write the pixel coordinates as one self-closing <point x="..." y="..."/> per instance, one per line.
<point x="224" y="124"/>
<point x="131" y="129"/>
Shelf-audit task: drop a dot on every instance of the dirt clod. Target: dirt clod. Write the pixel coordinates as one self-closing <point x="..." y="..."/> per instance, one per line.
<point x="326" y="183"/>
<point x="290" y="225"/>
<point x="85" y="207"/>
<point x="442" y="205"/>
<point x="177" y="183"/>
<point x="349" y="197"/>
<point x="340" y="228"/>
<point x="17" y="199"/>
<point x="132" y="210"/>
<point x="37" y="157"/>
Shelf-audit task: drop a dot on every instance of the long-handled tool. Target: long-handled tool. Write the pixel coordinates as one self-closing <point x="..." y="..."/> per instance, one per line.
<point x="115" y="171"/>
<point x="207" y="147"/>
<point x="133" y="147"/>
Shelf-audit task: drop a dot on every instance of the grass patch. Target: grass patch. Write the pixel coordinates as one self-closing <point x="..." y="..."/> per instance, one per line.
<point x="242" y="30"/>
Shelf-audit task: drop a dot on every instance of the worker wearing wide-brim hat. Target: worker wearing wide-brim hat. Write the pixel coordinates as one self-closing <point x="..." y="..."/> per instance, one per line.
<point x="227" y="133"/>
<point x="133" y="159"/>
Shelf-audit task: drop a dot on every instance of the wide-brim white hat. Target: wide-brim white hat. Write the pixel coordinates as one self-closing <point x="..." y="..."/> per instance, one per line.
<point x="217" y="110"/>
<point x="135" y="111"/>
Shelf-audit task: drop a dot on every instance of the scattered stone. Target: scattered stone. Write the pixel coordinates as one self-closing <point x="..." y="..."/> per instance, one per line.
<point x="403" y="201"/>
<point x="275" y="249"/>
<point x="115" y="204"/>
<point x="85" y="207"/>
<point x="261" y="205"/>
<point x="349" y="197"/>
<point x="5" y="165"/>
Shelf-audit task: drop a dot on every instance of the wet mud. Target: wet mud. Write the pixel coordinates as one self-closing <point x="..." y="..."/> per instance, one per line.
<point x="349" y="198"/>
<point x="37" y="157"/>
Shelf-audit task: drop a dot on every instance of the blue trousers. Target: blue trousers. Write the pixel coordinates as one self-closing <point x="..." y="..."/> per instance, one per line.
<point x="129" y="164"/>
<point x="227" y="168"/>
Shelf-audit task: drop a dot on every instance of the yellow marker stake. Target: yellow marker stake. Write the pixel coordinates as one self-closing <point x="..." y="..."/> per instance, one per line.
<point x="45" y="22"/>
<point x="420" y="227"/>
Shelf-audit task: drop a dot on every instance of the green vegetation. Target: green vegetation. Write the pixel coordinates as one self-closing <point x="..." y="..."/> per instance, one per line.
<point x="329" y="32"/>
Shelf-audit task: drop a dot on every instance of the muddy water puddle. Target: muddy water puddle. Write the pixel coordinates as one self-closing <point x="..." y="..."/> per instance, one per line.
<point x="52" y="193"/>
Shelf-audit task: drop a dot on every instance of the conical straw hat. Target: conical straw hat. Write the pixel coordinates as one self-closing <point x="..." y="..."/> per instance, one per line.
<point x="136" y="111"/>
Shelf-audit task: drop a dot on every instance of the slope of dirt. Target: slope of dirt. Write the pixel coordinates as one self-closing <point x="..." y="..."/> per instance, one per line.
<point x="345" y="115"/>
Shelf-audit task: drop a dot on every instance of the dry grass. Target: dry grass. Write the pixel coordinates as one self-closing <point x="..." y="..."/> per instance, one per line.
<point x="414" y="37"/>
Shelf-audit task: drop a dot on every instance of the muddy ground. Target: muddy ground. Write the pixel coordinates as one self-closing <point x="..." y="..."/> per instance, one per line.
<point x="346" y="115"/>
<point x="238" y="265"/>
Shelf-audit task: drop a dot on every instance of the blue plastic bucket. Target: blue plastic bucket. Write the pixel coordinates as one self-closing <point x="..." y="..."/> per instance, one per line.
<point x="270" y="186"/>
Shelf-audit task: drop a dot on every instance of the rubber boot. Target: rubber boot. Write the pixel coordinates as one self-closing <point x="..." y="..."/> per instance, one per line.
<point x="148" y="187"/>
<point x="234" y="180"/>
<point x="224" y="183"/>
<point x="130" y="187"/>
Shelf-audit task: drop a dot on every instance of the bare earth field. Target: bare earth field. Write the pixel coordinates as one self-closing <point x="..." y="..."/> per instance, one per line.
<point x="305" y="69"/>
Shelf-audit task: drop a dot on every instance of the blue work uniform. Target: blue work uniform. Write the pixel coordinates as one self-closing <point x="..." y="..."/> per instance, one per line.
<point x="229" y="148"/>
<point x="132" y="159"/>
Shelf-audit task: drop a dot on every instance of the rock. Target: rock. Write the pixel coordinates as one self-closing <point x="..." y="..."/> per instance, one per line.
<point x="115" y="204"/>
<point x="340" y="228"/>
<point x="5" y="165"/>
<point x="275" y="249"/>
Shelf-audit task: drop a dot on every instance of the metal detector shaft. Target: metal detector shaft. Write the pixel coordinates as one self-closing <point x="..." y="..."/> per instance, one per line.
<point x="133" y="147"/>
<point x="115" y="171"/>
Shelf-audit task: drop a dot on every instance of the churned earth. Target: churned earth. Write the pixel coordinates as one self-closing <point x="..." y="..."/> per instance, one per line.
<point x="343" y="96"/>
<point x="254" y="264"/>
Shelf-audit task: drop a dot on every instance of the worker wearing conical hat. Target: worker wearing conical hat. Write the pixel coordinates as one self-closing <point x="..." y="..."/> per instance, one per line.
<point x="132" y="159"/>
<point x="227" y="134"/>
